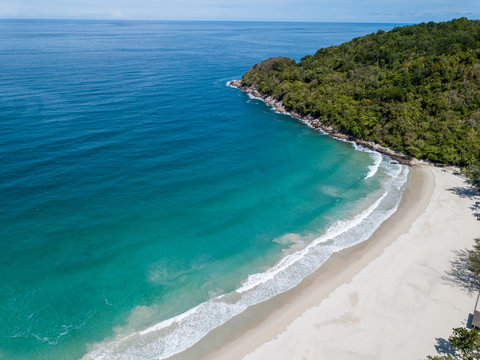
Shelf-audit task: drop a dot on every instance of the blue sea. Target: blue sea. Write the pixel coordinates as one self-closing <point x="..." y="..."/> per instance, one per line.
<point x="144" y="202"/>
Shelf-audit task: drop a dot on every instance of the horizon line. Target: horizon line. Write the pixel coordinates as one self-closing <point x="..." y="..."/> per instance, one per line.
<point x="216" y="20"/>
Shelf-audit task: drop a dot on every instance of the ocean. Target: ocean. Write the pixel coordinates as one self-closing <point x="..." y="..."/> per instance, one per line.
<point x="144" y="202"/>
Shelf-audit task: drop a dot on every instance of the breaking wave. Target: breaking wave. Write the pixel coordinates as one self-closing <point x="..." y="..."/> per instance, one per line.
<point x="178" y="333"/>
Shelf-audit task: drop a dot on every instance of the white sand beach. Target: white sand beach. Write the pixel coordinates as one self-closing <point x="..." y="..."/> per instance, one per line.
<point x="395" y="296"/>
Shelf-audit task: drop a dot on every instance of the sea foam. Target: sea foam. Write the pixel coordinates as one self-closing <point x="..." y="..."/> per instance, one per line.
<point x="377" y="159"/>
<point x="178" y="333"/>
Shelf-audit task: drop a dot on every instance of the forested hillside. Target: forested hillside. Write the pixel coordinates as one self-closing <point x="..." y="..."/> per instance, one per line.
<point x="414" y="89"/>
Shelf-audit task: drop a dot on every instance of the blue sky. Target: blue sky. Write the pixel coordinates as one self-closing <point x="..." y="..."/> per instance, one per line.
<point x="407" y="11"/>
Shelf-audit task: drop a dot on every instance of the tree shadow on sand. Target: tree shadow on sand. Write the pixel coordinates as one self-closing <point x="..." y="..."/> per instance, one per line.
<point x="464" y="192"/>
<point x="460" y="274"/>
<point x="443" y="347"/>
<point x="468" y="192"/>
<point x="476" y="209"/>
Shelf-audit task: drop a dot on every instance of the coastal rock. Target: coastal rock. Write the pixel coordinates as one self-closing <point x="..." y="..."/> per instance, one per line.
<point x="317" y="124"/>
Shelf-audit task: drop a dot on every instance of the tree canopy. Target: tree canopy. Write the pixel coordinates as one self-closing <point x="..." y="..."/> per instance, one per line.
<point x="414" y="89"/>
<point x="465" y="345"/>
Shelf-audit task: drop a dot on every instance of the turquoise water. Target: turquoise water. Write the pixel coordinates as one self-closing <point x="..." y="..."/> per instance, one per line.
<point x="136" y="186"/>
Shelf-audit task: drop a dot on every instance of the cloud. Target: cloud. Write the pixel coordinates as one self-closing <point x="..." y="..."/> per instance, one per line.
<point x="117" y="14"/>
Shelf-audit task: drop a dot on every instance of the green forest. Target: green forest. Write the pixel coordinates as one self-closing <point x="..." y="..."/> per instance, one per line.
<point x="414" y="89"/>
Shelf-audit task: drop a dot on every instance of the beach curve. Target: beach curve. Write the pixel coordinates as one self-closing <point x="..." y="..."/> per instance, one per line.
<point x="387" y="297"/>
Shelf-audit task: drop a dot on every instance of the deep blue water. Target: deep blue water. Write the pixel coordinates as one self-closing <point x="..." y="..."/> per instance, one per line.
<point x="136" y="185"/>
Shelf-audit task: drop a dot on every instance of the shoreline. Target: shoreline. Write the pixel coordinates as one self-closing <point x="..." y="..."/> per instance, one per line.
<point x="268" y="329"/>
<point x="315" y="123"/>
<point x="398" y="181"/>
<point x="267" y="325"/>
<point x="260" y="323"/>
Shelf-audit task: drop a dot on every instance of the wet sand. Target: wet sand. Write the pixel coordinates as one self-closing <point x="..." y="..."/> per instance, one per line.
<point x="388" y="297"/>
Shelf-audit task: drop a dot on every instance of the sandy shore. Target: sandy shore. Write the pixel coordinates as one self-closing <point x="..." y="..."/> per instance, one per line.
<point x="394" y="296"/>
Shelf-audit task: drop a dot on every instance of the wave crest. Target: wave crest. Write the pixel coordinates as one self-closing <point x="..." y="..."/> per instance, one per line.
<point x="178" y="333"/>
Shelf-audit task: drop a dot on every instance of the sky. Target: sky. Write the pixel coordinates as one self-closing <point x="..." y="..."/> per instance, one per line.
<point x="386" y="11"/>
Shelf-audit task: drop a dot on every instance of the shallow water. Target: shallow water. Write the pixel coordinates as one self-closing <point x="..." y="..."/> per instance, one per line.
<point x="136" y="185"/>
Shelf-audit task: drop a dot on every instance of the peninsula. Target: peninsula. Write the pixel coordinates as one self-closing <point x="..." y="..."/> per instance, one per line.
<point x="414" y="90"/>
